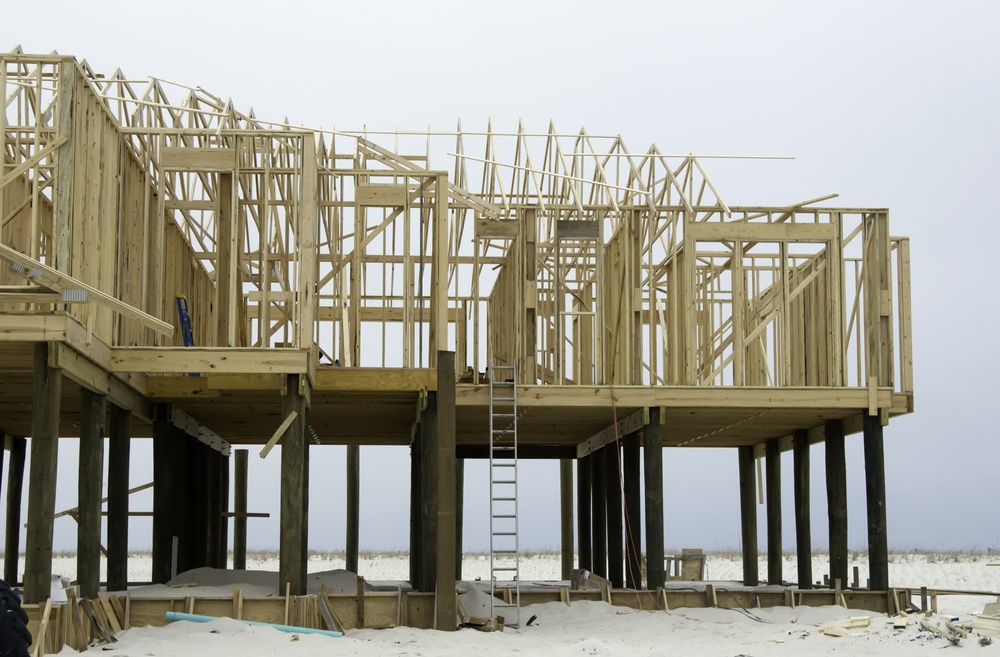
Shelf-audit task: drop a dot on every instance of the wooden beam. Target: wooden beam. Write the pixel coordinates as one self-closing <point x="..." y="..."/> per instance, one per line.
<point x="42" y="480"/>
<point x="278" y="433"/>
<point x="493" y="229"/>
<point x="93" y="411"/>
<point x="373" y="379"/>
<point x="748" y="515"/>
<point x="58" y="281"/>
<point x="803" y="516"/>
<point x="836" y="498"/>
<point x="615" y="432"/>
<point x="772" y="476"/>
<point x="120" y="432"/>
<point x="198" y="431"/>
<point x="173" y="360"/>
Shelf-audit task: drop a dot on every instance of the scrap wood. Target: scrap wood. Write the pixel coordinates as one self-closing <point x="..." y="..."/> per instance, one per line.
<point x="102" y="631"/>
<point x="324" y="599"/>
<point x="935" y="629"/>
<point x="841" y="628"/>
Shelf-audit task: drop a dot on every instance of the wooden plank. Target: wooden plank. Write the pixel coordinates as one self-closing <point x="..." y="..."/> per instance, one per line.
<point x="373" y="379"/>
<point x="759" y="232"/>
<point x="577" y="230"/>
<point x="492" y="229"/>
<point x="382" y="195"/>
<point x="245" y="360"/>
<point x="191" y="158"/>
<point x="279" y="432"/>
<point x="49" y="277"/>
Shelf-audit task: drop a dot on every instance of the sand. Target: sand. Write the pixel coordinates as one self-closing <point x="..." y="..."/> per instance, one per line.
<point x="586" y="628"/>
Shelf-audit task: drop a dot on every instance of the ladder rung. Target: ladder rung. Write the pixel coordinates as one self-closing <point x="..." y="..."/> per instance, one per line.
<point x="504" y="570"/>
<point x="502" y="448"/>
<point x="504" y="533"/>
<point x="504" y="481"/>
<point x="504" y="465"/>
<point x="504" y="499"/>
<point x="504" y="516"/>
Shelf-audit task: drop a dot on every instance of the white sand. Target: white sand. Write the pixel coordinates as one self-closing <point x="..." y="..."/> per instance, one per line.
<point x="588" y="628"/>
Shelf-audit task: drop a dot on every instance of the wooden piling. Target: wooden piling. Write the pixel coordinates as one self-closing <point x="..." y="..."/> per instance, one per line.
<point x="447" y="599"/>
<point x="240" y="507"/>
<point x="42" y="477"/>
<point x="878" y="547"/>
<point x="294" y="481"/>
<point x="599" y="508"/>
<point x="748" y="515"/>
<point x="353" y="506"/>
<point x="566" y="516"/>
<point x="15" y="487"/>
<point x="633" y="511"/>
<point x="222" y="557"/>
<point x="120" y="436"/>
<point x="459" y="514"/>
<point x="836" y="497"/>
<point x="428" y="495"/>
<point x="616" y="554"/>
<point x="585" y="555"/>
<point x="653" y="471"/>
<point x="772" y="476"/>
<point x="167" y="509"/>
<point x="93" y="411"/>
<point x="803" y="531"/>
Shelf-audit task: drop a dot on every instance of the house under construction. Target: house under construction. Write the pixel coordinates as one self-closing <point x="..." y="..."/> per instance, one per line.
<point x="176" y="269"/>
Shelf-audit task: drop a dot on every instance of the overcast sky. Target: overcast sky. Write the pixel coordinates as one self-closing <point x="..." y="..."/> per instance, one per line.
<point x="889" y="104"/>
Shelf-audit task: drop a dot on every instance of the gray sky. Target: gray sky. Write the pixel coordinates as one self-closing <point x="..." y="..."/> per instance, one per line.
<point x="889" y="104"/>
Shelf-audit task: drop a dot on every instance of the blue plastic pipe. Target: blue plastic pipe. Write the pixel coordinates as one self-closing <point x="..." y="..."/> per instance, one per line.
<point x="197" y="618"/>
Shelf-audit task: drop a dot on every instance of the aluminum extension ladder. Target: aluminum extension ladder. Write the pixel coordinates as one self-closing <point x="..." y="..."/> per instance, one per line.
<point x="505" y="563"/>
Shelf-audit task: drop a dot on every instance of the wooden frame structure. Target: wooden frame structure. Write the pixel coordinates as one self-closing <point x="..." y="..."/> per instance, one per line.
<point x="327" y="271"/>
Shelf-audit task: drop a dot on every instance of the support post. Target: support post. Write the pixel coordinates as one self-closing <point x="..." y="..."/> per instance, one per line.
<point x="15" y="486"/>
<point x="583" y="527"/>
<point x="223" y="555"/>
<point x="599" y="507"/>
<point x="447" y="599"/>
<point x="240" y="507"/>
<point x="42" y="477"/>
<point x="878" y="547"/>
<point x="93" y="411"/>
<point x="428" y="494"/>
<point x="633" y="512"/>
<point x="294" y="491"/>
<point x="616" y="555"/>
<point x="748" y="515"/>
<point x="653" y="466"/>
<point x="836" y="498"/>
<point x="353" y="506"/>
<point x="416" y="511"/>
<point x="167" y="510"/>
<point x="803" y="530"/>
<point x="772" y="475"/>
<point x="459" y="513"/>
<point x="566" y="516"/>
<point x="120" y="435"/>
